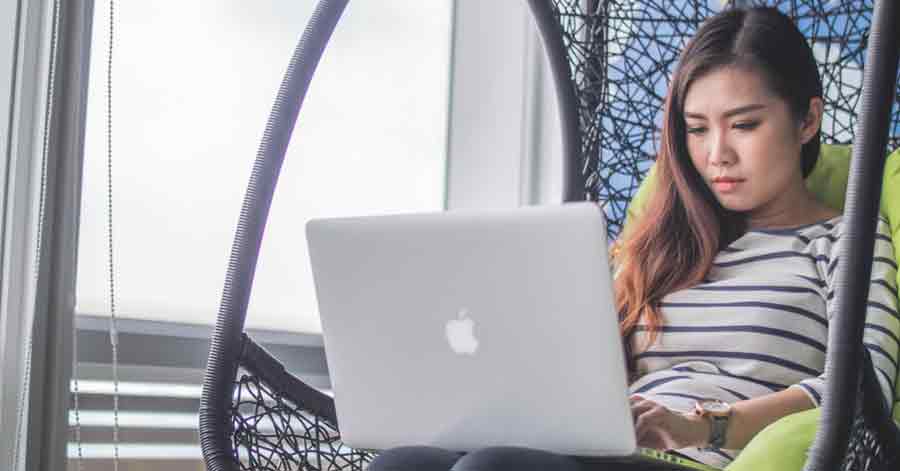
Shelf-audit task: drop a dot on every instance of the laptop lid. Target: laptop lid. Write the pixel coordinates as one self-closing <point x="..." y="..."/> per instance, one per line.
<point x="473" y="328"/>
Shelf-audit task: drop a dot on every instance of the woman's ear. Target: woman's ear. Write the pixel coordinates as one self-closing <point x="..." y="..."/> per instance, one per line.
<point x="813" y="119"/>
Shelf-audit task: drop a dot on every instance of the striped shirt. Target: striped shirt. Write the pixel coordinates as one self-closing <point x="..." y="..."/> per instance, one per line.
<point x="759" y="323"/>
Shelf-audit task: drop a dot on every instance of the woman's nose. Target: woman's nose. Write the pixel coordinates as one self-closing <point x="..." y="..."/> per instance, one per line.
<point x="720" y="152"/>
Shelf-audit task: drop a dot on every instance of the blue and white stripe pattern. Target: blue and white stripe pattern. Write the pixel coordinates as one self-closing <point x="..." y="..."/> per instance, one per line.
<point x="759" y="323"/>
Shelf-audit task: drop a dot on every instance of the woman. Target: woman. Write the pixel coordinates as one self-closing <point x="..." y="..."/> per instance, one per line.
<point x="724" y="284"/>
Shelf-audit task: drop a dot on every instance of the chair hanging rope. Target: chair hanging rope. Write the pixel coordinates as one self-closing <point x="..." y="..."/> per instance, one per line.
<point x="226" y="340"/>
<point x="844" y="354"/>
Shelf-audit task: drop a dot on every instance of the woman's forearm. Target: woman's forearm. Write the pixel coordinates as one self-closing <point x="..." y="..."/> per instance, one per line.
<point x="749" y="417"/>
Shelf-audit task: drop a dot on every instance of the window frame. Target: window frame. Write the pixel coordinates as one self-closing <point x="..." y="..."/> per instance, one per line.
<point x="38" y="293"/>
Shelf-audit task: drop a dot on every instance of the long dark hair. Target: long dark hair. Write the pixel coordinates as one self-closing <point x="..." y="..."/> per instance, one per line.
<point x="682" y="228"/>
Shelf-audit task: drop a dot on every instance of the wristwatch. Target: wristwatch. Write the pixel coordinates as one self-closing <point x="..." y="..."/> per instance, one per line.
<point x="717" y="413"/>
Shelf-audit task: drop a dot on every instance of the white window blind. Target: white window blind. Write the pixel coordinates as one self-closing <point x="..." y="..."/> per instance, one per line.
<point x="193" y="83"/>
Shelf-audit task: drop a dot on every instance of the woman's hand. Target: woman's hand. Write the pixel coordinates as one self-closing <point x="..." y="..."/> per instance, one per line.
<point x="664" y="429"/>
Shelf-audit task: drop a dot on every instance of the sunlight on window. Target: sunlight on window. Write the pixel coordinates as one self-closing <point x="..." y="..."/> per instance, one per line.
<point x="193" y="83"/>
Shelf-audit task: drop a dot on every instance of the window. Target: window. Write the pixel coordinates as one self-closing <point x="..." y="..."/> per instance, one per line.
<point x="193" y="84"/>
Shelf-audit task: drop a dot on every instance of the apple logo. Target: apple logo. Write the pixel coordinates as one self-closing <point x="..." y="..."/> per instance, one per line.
<point x="460" y="334"/>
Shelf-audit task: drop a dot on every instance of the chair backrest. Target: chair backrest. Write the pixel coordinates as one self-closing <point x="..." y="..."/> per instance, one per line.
<point x="622" y="71"/>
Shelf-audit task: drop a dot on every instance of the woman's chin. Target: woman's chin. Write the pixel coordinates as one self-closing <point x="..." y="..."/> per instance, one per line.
<point x="731" y="203"/>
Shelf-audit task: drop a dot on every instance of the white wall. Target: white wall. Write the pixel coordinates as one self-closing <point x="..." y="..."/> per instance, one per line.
<point x="504" y="139"/>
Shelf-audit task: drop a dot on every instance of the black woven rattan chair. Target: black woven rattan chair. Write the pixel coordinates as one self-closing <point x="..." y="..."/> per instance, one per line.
<point x="611" y="61"/>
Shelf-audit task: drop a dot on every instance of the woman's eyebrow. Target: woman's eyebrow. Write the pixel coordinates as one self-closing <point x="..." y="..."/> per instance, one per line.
<point x="729" y="113"/>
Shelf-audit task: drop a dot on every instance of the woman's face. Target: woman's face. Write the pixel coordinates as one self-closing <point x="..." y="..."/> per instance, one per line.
<point x="744" y="141"/>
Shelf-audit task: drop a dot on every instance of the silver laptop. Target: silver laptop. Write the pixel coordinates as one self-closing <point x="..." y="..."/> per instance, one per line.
<point x="474" y="328"/>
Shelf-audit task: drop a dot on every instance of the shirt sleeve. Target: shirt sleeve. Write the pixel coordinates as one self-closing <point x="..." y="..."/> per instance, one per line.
<point x="881" y="335"/>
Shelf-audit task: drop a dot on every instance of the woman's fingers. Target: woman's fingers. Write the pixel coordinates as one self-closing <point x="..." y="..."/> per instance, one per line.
<point x="652" y="425"/>
<point x="650" y="436"/>
<point x="649" y="417"/>
<point x="641" y="406"/>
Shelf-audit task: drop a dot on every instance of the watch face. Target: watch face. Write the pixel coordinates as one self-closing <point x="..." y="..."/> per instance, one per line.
<point x="715" y="407"/>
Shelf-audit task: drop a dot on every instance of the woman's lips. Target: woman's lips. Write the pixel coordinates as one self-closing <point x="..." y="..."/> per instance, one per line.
<point x="726" y="184"/>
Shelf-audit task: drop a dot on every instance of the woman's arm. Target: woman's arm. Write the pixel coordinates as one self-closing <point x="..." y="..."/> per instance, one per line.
<point x="665" y="429"/>
<point x="749" y="417"/>
<point x="881" y="333"/>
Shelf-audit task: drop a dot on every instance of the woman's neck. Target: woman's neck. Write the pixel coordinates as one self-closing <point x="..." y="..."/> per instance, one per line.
<point x="795" y="207"/>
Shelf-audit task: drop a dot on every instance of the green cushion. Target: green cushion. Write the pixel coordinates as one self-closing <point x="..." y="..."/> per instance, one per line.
<point x="783" y="444"/>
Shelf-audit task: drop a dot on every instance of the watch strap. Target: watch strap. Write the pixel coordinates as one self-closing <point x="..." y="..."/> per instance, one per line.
<point x="719" y="425"/>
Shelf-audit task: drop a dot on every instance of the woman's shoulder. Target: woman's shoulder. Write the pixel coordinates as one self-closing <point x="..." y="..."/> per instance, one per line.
<point x="837" y="225"/>
<point x="826" y="219"/>
<point x="823" y="238"/>
<point x="815" y="237"/>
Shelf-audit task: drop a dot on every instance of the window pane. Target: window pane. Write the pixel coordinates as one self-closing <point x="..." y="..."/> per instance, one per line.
<point x="193" y="83"/>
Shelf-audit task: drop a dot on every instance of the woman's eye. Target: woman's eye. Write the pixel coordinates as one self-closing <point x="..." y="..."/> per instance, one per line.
<point x="746" y="126"/>
<point x="696" y="130"/>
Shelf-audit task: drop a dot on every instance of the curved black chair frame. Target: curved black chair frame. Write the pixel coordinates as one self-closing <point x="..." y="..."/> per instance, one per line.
<point x="610" y="62"/>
